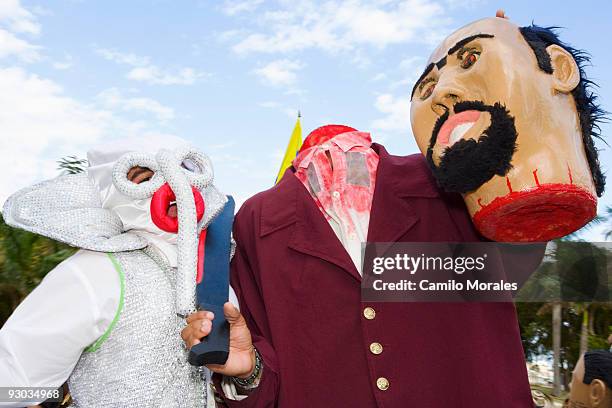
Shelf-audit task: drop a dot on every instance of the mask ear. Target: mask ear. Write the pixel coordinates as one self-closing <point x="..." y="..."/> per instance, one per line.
<point x="566" y="75"/>
<point x="598" y="393"/>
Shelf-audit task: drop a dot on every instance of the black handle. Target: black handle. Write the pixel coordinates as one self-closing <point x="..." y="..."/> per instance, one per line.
<point x="214" y="348"/>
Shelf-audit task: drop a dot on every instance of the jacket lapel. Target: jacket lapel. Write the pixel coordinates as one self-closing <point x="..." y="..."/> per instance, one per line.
<point x="397" y="183"/>
<point x="315" y="237"/>
<point x="312" y="235"/>
<point x="391" y="215"/>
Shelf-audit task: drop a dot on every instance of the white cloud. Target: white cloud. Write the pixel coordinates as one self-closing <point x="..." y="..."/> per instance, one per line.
<point x="25" y="96"/>
<point x="411" y="64"/>
<point x="10" y="45"/>
<point x="122" y="58"/>
<point x="41" y="124"/>
<point x="17" y="18"/>
<point x="343" y="25"/>
<point x="114" y="99"/>
<point x="397" y="113"/>
<point x="156" y="76"/>
<point x="41" y="11"/>
<point x="38" y="120"/>
<point x="280" y="72"/>
<point x="65" y="64"/>
<point x="409" y="71"/>
<point x="230" y="35"/>
<point x="144" y="71"/>
<point x="14" y="20"/>
<point x="235" y="7"/>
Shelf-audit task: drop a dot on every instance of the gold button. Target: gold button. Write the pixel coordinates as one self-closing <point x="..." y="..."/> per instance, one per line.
<point x="382" y="383"/>
<point x="369" y="313"/>
<point x="376" y="348"/>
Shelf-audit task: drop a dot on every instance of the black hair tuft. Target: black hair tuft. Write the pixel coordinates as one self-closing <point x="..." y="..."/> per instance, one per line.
<point x="590" y="112"/>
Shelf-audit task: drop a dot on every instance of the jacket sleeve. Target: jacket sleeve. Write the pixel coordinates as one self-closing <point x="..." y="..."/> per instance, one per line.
<point x="245" y="283"/>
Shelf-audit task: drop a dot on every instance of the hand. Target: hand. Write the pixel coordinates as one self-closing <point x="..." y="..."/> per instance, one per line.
<point x="241" y="360"/>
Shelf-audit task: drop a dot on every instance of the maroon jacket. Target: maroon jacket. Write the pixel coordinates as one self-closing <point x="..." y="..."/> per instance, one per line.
<point x="300" y="294"/>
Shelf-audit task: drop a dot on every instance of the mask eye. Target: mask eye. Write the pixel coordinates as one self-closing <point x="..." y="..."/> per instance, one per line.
<point x="136" y="175"/>
<point x="191" y="165"/>
<point x="469" y="58"/>
<point x="197" y="166"/>
<point x="426" y="88"/>
<point x="139" y="174"/>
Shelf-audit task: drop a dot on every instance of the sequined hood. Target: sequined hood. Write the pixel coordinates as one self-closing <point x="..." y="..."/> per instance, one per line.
<point x="74" y="208"/>
<point x="102" y="210"/>
<point x="69" y="209"/>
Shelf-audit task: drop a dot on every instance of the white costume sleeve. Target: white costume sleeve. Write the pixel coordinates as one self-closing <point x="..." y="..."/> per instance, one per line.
<point x="69" y="310"/>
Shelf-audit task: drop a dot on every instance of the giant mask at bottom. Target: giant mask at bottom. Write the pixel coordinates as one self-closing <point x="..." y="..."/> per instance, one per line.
<point x="504" y="116"/>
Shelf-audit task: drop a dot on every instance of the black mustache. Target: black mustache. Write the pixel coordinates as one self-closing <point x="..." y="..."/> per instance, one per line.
<point x="458" y="108"/>
<point x="468" y="164"/>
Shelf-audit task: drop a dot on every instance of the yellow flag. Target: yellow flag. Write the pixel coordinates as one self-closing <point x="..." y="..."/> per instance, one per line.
<point x="295" y="143"/>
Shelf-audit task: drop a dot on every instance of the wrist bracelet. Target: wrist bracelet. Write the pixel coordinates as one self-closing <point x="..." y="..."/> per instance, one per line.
<point x="249" y="382"/>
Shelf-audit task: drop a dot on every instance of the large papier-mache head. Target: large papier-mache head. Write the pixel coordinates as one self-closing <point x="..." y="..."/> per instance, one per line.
<point x="506" y="116"/>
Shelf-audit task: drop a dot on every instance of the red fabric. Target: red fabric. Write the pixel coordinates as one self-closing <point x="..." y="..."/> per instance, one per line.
<point x="161" y="201"/>
<point x="323" y="134"/>
<point x="201" y="246"/>
<point x="300" y="294"/>
<point x="353" y="183"/>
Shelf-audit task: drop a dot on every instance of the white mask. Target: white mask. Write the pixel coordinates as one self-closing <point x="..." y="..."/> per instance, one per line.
<point x="134" y="213"/>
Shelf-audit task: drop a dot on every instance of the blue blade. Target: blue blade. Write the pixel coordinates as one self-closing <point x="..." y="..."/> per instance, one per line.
<point x="214" y="287"/>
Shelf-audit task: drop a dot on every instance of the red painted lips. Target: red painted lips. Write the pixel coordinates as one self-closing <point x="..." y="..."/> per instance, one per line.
<point x="453" y="123"/>
<point x="163" y="208"/>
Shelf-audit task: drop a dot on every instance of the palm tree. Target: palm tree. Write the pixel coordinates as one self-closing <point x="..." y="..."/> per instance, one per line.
<point x="607" y="217"/>
<point x="71" y="165"/>
<point x="25" y="259"/>
<point x="548" y="286"/>
<point x="556" y="324"/>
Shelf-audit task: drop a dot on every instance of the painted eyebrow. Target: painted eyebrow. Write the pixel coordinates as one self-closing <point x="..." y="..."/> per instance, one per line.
<point x="442" y="61"/>
<point x="466" y="40"/>
<point x="426" y="72"/>
<point x="423" y="75"/>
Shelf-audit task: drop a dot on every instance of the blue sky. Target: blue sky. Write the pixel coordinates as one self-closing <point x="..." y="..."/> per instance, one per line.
<point x="230" y="75"/>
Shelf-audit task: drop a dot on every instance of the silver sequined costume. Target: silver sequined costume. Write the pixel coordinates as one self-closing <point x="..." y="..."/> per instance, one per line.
<point x="154" y="371"/>
<point x="143" y="361"/>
